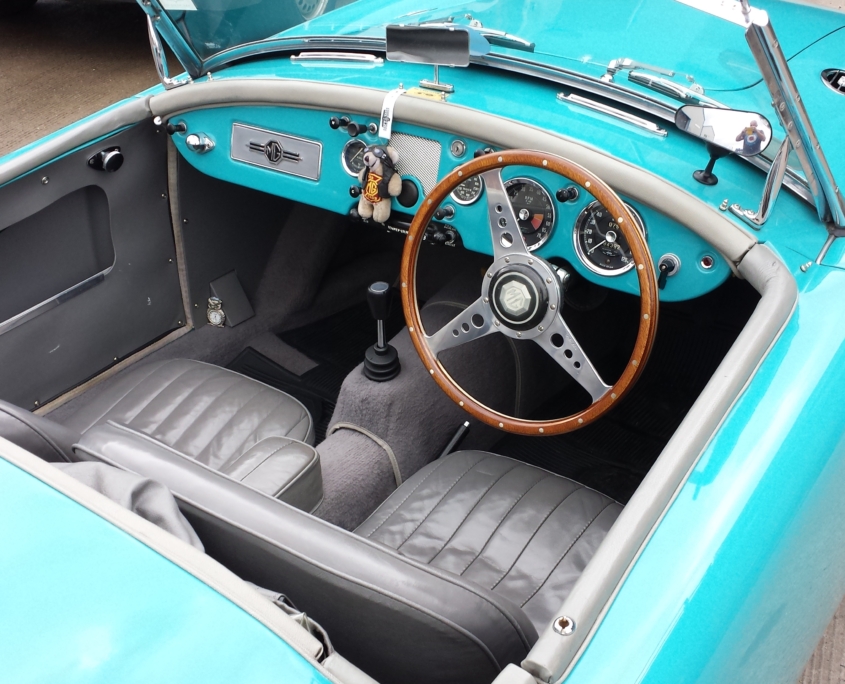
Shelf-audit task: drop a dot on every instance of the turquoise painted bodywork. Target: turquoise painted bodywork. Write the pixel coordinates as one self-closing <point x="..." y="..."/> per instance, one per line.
<point x="748" y="564"/>
<point x="83" y="601"/>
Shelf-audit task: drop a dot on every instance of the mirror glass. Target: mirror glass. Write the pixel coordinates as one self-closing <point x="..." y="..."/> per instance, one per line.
<point x="743" y="133"/>
<point x="444" y="46"/>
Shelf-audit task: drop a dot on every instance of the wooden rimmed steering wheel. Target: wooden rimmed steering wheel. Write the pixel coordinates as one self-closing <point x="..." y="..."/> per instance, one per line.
<point x="521" y="295"/>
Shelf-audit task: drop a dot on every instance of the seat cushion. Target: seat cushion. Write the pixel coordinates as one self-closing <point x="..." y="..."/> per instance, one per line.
<point x="517" y="530"/>
<point x="229" y="423"/>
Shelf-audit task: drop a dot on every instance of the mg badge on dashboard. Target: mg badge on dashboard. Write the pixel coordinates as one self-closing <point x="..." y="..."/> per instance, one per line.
<point x="273" y="151"/>
<point x="215" y="314"/>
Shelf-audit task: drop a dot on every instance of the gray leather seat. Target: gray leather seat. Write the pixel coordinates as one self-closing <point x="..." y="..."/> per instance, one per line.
<point x="519" y="531"/>
<point x="233" y="425"/>
<point x="449" y="580"/>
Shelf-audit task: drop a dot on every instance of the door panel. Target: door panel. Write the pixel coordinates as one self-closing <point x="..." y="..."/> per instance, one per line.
<point x="88" y="269"/>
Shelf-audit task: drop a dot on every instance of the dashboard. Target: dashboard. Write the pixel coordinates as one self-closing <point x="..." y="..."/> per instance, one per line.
<point x="314" y="156"/>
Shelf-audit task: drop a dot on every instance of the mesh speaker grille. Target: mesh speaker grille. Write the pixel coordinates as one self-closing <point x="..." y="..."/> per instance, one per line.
<point x="418" y="157"/>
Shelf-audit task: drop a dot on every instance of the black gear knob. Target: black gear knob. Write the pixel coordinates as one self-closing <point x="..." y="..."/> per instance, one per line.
<point x="378" y="297"/>
<point x="381" y="361"/>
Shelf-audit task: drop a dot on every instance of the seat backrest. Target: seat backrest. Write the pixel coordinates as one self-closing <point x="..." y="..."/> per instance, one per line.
<point x="396" y="619"/>
<point x="39" y="436"/>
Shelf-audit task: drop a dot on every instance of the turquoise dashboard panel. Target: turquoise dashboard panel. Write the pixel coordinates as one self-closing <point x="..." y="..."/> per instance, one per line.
<point x="702" y="268"/>
<point x="83" y="601"/>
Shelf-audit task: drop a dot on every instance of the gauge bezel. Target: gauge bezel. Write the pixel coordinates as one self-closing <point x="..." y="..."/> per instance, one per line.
<point x="343" y="163"/>
<point x="532" y="181"/>
<point x="582" y="215"/>
<point x="466" y="203"/>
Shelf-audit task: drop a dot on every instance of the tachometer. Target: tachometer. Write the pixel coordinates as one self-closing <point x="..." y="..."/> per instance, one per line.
<point x="468" y="191"/>
<point x="352" y="156"/>
<point x="599" y="241"/>
<point x="534" y="210"/>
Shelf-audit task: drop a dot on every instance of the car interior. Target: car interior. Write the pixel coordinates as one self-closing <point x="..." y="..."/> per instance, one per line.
<point x="430" y="545"/>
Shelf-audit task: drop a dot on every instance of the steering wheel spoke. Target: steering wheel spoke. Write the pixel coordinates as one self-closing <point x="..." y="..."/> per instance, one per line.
<point x="504" y="226"/>
<point x="473" y="322"/>
<point x="559" y="343"/>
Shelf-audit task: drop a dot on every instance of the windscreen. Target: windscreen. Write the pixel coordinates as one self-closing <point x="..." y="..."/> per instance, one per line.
<point x="211" y="26"/>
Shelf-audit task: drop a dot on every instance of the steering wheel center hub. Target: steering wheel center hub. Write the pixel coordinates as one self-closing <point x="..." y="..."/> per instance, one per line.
<point x="519" y="297"/>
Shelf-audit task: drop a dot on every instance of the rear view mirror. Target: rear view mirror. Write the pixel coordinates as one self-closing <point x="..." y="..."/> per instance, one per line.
<point x="439" y="45"/>
<point x="744" y="133"/>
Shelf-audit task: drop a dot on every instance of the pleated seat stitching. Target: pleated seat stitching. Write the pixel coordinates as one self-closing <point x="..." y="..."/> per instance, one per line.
<point x="439" y="501"/>
<point x="565" y="553"/>
<point x="533" y="534"/>
<point x="419" y="484"/>
<point x="204" y="411"/>
<point x="176" y="406"/>
<point x="474" y="506"/>
<point x="270" y="412"/>
<point x="499" y="524"/>
<point x="114" y="407"/>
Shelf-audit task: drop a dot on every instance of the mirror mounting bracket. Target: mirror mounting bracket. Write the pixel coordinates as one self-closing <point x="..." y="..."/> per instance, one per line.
<point x="774" y="182"/>
<point x="160" y="58"/>
<point x="436" y="84"/>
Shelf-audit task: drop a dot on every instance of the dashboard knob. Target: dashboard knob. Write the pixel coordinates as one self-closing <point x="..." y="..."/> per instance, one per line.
<point x="355" y="129"/>
<point x="569" y="194"/>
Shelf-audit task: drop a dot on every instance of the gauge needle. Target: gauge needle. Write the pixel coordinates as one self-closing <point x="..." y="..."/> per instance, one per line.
<point x="590" y="251"/>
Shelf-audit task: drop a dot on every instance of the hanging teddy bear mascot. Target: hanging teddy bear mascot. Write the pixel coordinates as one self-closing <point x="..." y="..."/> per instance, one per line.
<point x="379" y="182"/>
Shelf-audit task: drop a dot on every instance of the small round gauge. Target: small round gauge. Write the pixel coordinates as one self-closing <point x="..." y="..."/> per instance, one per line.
<point x="468" y="191"/>
<point x="352" y="156"/>
<point x="599" y="241"/>
<point x="534" y="210"/>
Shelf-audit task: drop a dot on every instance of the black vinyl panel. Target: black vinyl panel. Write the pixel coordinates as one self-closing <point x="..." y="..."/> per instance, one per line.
<point x="225" y="227"/>
<point x="51" y="251"/>
<point x="64" y="205"/>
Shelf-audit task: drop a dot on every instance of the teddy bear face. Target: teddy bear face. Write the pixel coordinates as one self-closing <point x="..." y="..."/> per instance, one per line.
<point x="371" y="158"/>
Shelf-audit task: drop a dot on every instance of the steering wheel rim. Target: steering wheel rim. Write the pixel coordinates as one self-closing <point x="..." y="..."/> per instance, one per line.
<point x="520" y="270"/>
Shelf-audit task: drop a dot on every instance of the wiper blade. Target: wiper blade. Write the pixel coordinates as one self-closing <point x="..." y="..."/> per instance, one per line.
<point x="623" y="63"/>
<point x="502" y="39"/>
<point x="672" y="89"/>
<point x="490" y="35"/>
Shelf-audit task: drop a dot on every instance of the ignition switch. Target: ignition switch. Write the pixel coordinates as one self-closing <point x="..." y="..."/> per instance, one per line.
<point x="668" y="265"/>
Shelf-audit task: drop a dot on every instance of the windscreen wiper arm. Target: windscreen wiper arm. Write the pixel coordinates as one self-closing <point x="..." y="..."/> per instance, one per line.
<point x="491" y="36"/>
<point x="672" y="89"/>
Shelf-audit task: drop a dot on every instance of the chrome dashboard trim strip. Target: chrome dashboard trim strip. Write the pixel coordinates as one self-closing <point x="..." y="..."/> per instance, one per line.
<point x="329" y="56"/>
<point x="612" y="111"/>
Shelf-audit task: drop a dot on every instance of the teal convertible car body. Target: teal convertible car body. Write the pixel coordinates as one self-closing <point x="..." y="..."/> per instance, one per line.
<point x="598" y="443"/>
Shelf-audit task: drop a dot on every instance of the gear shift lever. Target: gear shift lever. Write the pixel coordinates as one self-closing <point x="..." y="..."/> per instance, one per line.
<point x="381" y="362"/>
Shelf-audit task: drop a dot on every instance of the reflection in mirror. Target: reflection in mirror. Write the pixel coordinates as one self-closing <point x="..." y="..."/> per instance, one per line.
<point x="744" y="133"/>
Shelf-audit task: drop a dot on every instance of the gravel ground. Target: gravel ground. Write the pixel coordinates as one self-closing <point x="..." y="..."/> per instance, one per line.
<point x="64" y="60"/>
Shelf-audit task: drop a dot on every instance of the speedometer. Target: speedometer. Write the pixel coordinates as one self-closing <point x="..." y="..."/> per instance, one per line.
<point x="534" y="210"/>
<point x="352" y="157"/>
<point x="468" y="191"/>
<point x="599" y="241"/>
